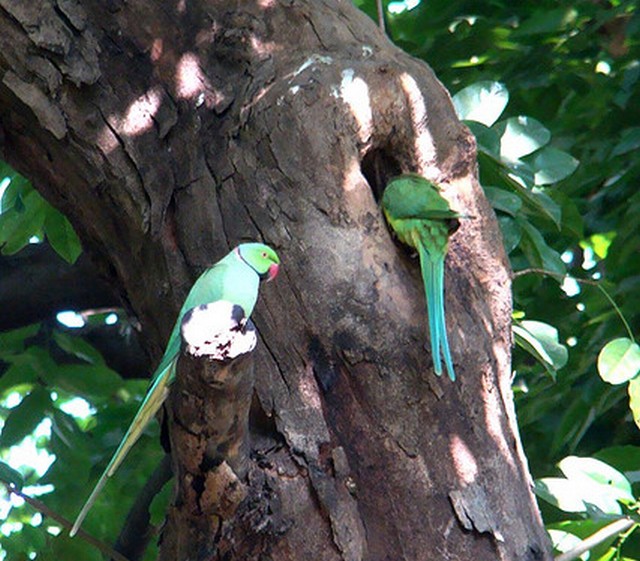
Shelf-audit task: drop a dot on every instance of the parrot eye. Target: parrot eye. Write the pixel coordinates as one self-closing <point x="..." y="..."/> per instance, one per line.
<point x="264" y="254"/>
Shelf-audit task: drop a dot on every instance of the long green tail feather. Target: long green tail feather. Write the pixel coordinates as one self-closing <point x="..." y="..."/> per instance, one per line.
<point x="152" y="402"/>
<point x="430" y="285"/>
<point x="440" y="316"/>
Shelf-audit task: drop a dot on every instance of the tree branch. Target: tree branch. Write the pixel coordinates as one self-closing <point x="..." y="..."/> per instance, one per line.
<point x="209" y="428"/>
<point x="380" y="9"/>
<point x="46" y="511"/>
<point x="36" y="283"/>
<point x="601" y="535"/>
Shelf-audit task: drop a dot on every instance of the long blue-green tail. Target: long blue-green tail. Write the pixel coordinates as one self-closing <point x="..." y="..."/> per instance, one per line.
<point x="432" y="268"/>
<point x="440" y="316"/>
<point x="429" y="281"/>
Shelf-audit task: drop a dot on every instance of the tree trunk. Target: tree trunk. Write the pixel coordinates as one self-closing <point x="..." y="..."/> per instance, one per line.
<point x="168" y="133"/>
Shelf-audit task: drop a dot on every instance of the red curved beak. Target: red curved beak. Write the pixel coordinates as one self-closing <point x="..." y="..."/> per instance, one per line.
<point x="273" y="271"/>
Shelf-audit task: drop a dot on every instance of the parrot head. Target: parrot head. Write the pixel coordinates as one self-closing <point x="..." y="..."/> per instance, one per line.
<point x="261" y="258"/>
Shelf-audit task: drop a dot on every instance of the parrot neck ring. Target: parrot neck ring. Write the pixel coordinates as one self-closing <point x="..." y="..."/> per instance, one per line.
<point x="270" y="274"/>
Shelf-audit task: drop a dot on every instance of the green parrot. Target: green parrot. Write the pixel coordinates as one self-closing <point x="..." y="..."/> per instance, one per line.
<point x="235" y="279"/>
<point x="422" y="219"/>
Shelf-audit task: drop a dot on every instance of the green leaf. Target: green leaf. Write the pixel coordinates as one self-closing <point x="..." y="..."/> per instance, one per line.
<point x="35" y="537"/>
<point x="17" y="378"/>
<point x="503" y="200"/>
<point x="577" y="416"/>
<point x="619" y="361"/>
<point x="547" y="22"/>
<point x="573" y="495"/>
<point x="629" y="142"/>
<point x="634" y="399"/>
<point x="86" y="380"/>
<point x="550" y="209"/>
<point x="590" y="472"/>
<point x="487" y="139"/>
<point x="62" y="236"/>
<point x="13" y="341"/>
<point x="560" y="492"/>
<point x="541" y="341"/>
<point x="17" y="227"/>
<point x="519" y="177"/>
<point x="11" y="476"/>
<point x="552" y="165"/>
<point x="564" y="541"/>
<point x="511" y="232"/>
<point x="26" y="368"/>
<point x="65" y="427"/>
<point x="572" y="223"/>
<point x="520" y="136"/>
<point x="518" y="172"/>
<point x="78" y="347"/>
<point x="14" y="194"/>
<point x="25" y="417"/>
<point x="624" y="458"/>
<point x="483" y="102"/>
<point x="537" y="251"/>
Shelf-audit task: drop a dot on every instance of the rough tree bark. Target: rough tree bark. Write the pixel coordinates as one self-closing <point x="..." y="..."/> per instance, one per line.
<point x="168" y="132"/>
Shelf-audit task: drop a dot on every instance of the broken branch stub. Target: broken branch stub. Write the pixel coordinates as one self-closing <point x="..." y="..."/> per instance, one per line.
<point x="210" y="408"/>
<point x="217" y="330"/>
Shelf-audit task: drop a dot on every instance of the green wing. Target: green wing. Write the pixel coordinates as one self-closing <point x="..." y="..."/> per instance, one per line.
<point x="411" y="196"/>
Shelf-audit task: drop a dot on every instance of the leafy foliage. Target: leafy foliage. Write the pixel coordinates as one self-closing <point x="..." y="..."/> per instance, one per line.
<point x="619" y="361"/>
<point x="50" y="395"/>
<point x="25" y="215"/>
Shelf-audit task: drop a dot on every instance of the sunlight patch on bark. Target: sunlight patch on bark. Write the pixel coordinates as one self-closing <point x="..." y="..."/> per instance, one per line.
<point x="157" y="48"/>
<point x="353" y="179"/>
<point x="493" y="415"/>
<point x="138" y="119"/>
<point x="107" y="140"/>
<point x="462" y="199"/>
<point x="191" y="83"/>
<point x="355" y="93"/>
<point x="139" y="116"/>
<point x="463" y="461"/>
<point x="263" y="48"/>
<point x="309" y="389"/>
<point x="425" y="149"/>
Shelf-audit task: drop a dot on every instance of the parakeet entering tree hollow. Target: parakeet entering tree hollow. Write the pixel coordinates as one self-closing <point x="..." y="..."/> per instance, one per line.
<point x="234" y="279"/>
<point x="422" y="219"/>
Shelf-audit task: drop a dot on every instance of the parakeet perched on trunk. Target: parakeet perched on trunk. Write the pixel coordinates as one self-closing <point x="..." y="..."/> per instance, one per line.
<point x="422" y="219"/>
<point x="235" y="279"/>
